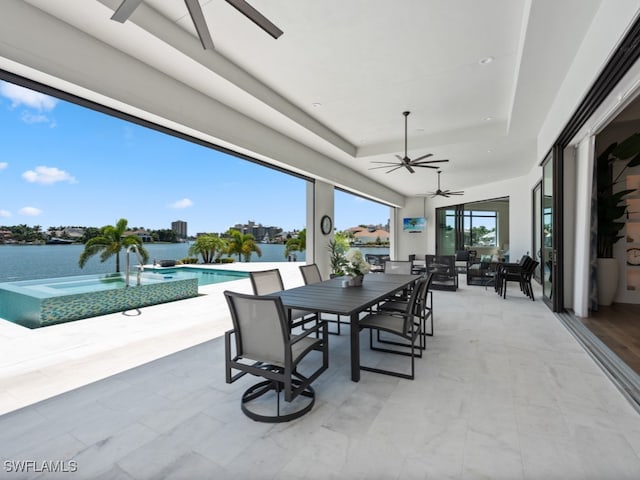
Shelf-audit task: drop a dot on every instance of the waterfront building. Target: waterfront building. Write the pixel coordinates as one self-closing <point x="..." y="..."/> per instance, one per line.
<point x="180" y="228"/>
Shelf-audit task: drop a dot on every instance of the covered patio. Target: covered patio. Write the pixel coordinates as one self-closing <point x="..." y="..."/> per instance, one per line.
<point x="504" y="391"/>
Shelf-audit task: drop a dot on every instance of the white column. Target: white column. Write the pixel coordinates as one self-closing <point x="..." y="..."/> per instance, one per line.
<point x="319" y="203"/>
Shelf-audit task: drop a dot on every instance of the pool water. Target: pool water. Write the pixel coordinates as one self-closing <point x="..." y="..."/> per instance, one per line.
<point x="205" y="276"/>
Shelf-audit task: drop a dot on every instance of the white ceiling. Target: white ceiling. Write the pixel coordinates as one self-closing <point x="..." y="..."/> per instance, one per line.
<point x="365" y="62"/>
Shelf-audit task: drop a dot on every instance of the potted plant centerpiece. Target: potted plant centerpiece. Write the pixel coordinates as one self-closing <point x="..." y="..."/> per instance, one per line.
<point x="356" y="266"/>
<point x="611" y="209"/>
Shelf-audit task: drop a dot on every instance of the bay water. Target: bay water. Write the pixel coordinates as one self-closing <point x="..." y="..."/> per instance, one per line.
<point x="29" y="262"/>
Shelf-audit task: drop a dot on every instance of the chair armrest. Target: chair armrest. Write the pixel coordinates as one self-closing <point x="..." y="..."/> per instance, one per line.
<point x="322" y="324"/>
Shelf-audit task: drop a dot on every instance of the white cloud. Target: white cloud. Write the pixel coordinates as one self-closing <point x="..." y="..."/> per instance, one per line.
<point x="47" y="176"/>
<point x="5" y="213"/>
<point x="184" y="203"/>
<point x="28" y="117"/>
<point x="30" y="211"/>
<point x="3" y="165"/>
<point x="23" y="96"/>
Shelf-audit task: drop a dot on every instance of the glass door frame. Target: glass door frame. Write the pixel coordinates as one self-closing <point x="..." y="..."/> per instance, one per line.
<point x="536" y="229"/>
<point x="555" y="298"/>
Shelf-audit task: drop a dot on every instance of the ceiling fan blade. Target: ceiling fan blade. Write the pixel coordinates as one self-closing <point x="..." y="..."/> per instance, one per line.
<point x="395" y="168"/>
<point x="423" y="166"/>
<point x="200" y="23"/>
<point x="386" y="166"/>
<point x="124" y="11"/>
<point x="422" y="157"/>
<point x="435" y="161"/>
<point x="388" y="162"/>
<point x="256" y="17"/>
<point x="408" y="167"/>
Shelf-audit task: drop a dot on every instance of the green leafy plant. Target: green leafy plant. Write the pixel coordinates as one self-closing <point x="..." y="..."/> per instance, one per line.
<point x="110" y="242"/>
<point x="611" y="206"/>
<point x="337" y="247"/>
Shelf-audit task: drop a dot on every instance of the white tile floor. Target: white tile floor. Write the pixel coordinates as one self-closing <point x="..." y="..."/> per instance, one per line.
<point x="504" y="392"/>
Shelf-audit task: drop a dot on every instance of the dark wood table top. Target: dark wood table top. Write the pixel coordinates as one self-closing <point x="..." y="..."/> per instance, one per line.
<point x="331" y="297"/>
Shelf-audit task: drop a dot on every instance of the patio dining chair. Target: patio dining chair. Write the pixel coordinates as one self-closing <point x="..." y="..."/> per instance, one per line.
<point x="266" y="282"/>
<point x="406" y="325"/>
<point x="265" y="347"/>
<point x="398" y="267"/>
<point x="310" y="275"/>
<point x="423" y="307"/>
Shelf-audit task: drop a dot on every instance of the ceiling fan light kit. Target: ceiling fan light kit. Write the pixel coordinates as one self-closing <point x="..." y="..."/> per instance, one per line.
<point x="405" y="161"/>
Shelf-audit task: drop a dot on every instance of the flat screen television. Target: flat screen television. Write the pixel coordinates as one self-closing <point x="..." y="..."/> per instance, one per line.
<point x="414" y="224"/>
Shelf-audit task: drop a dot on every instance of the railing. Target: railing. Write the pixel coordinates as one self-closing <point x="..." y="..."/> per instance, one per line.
<point x="140" y="265"/>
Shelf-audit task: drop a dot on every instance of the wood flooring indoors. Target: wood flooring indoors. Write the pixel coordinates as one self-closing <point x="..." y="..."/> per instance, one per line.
<point x="618" y="327"/>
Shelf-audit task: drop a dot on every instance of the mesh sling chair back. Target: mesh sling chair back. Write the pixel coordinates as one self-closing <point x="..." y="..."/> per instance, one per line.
<point x="310" y="275"/>
<point x="406" y="325"/>
<point x="423" y="308"/>
<point x="266" y="282"/>
<point x="265" y="347"/>
<point x="398" y="267"/>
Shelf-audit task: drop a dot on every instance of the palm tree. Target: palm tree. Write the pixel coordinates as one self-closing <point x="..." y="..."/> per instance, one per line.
<point x="243" y="244"/>
<point x="110" y="242"/>
<point x="297" y="244"/>
<point x="207" y="246"/>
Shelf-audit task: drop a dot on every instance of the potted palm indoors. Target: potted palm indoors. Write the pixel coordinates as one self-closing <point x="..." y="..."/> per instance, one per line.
<point x="612" y="209"/>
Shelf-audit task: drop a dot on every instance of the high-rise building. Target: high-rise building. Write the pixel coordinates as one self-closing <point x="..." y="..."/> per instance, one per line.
<point x="180" y="228"/>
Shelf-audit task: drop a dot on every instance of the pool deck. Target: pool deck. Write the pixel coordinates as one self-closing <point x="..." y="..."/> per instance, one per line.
<point x="38" y="364"/>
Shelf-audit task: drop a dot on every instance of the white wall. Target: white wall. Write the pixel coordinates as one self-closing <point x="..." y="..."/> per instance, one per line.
<point x="413" y="243"/>
<point x="517" y="189"/>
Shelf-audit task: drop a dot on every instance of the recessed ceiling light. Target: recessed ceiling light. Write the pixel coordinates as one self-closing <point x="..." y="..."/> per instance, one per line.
<point x="489" y="151"/>
<point x="419" y="129"/>
<point x="486" y="60"/>
<point x="316" y="104"/>
<point x="487" y="119"/>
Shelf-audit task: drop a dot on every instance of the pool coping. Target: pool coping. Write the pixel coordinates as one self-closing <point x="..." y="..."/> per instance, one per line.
<point x="40" y="363"/>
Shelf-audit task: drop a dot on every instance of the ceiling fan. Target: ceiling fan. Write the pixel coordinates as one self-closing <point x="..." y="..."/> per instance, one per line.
<point x="443" y="193"/>
<point x="126" y="8"/>
<point x="406" y="162"/>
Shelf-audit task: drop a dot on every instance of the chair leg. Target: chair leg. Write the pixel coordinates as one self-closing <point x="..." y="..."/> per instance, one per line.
<point x="411" y="353"/>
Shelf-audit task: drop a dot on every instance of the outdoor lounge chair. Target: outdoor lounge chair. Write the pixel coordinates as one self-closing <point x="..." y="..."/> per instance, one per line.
<point x="265" y="347"/>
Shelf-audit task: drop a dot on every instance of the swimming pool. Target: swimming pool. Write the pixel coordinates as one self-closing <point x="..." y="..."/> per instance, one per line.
<point x="205" y="276"/>
<point x="39" y="303"/>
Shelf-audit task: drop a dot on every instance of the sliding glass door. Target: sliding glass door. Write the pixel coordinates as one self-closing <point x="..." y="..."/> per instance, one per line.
<point x="552" y="234"/>
<point x="537" y="229"/>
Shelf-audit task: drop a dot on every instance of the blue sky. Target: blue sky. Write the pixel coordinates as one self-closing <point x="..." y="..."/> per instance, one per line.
<point x="62" y="164"/>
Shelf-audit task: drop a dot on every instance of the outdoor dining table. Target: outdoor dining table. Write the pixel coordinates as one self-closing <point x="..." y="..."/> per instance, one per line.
<point x="331" y="297"/>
